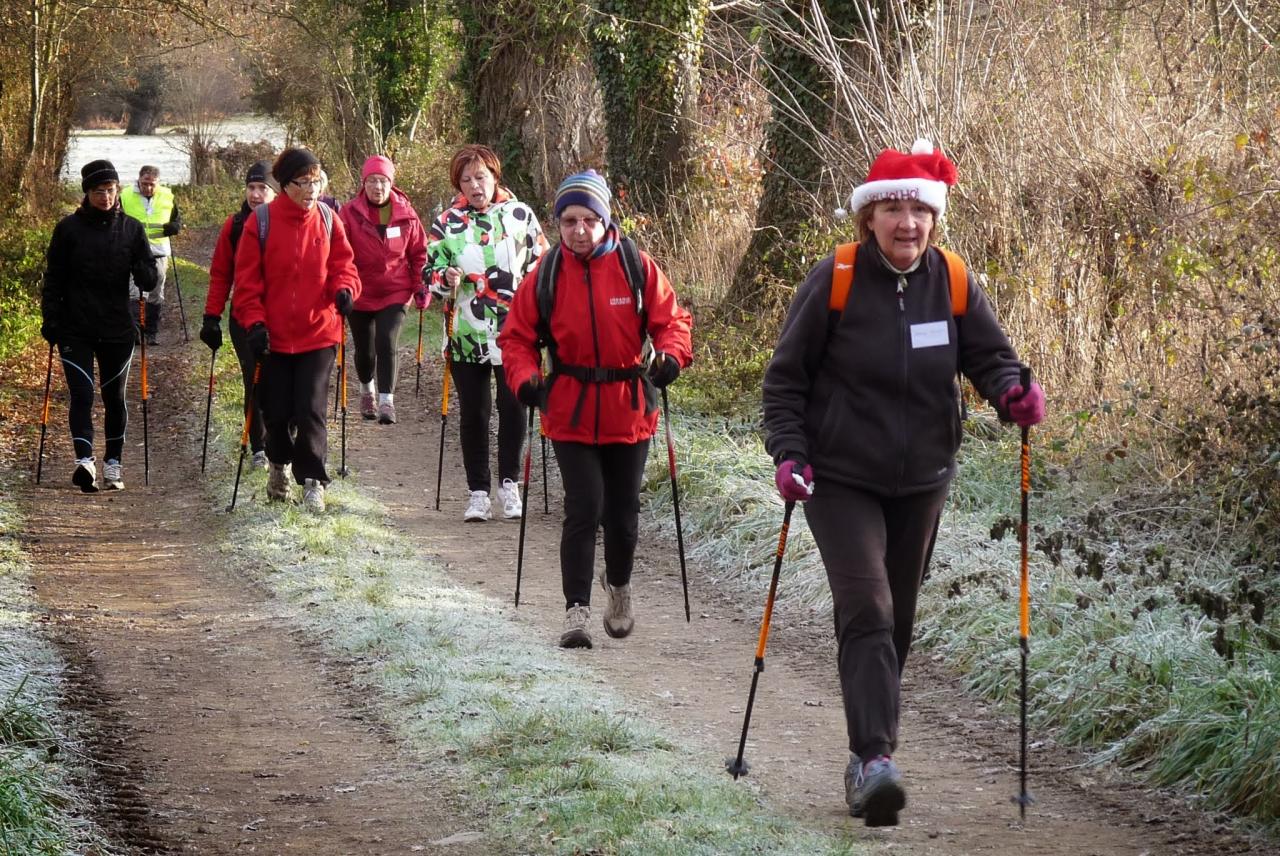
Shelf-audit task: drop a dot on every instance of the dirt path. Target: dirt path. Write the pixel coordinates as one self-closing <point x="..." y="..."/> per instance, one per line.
<point x="215" y="727"/>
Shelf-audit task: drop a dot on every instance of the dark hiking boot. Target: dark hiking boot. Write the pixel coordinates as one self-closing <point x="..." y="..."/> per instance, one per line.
<point x="874" y="791"/>
<point x="85" y="476"/>
<point x="575" y="635"/>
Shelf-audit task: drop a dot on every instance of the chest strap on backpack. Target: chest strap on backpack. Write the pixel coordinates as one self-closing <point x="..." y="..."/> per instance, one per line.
<point x="585" y="375"/>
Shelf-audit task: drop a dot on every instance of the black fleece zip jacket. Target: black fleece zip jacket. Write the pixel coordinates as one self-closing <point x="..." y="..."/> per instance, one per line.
<point x="91" y="256"/>
<point x="868" y="396"/>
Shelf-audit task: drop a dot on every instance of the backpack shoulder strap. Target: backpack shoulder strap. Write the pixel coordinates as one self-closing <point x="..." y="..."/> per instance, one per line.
<point x="545" y="285"/>
<point x="842" y="276"/>
<point x="264" y="225"/>
<point x="633" y="268"/>
<point x="326" y="214"/>
<point x="958" y="274"/>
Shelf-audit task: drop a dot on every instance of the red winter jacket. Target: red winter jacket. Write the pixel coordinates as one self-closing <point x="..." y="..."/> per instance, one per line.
<point x="594" y="324"/>
<point x="293" y="290"/>
<point x="390" y="267"/>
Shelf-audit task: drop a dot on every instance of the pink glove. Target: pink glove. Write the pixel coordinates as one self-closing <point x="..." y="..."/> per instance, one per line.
<point x="793" y="486"/>
<point x="1024" y="409"/>
<point x="422" y="299"/>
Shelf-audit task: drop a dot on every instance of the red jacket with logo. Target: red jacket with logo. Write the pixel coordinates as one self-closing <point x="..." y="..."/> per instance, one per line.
<point x="595" y="324"/>
<point x="390" y="264"/>
<point x="292" y="289"/>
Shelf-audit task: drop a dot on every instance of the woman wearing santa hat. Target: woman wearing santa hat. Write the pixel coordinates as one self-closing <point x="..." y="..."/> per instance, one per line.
<point x="861" y="411"/>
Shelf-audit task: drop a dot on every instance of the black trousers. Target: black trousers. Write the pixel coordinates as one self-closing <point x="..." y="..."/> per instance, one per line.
<point x="295" y="392"/>
<point x="113" y="359"/>
<point x="257" y="427"/>
<point x="476" y="403"/>
<point x="601" y="487"/>
<point x="374" y="335"/>
<point x="875" y="550"/>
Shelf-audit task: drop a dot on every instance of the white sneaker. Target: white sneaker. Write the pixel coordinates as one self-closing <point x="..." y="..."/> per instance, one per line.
<point x="112" y="476"/>
<point x="575" y="634"/>
<point x="278" y="482"/>
<point x="477" y="508"/>
<point x="259" y="460"/>
<point x="509" y="493"/>
<point x="313" y="496"/>
<point x="85" y="476"/>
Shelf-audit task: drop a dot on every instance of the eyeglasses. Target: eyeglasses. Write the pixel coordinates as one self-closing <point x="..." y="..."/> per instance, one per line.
<point x="377" y="181"/>
<point x="572" y="223"/>
<point x="103" y="192"/>
<point x="309" y="184"/>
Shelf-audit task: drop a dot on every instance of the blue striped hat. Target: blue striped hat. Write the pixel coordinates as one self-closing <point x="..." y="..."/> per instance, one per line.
<point x="587" y="189"/>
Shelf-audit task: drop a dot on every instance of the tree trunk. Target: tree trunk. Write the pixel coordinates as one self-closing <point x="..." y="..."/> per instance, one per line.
<point x="146" y="100"/>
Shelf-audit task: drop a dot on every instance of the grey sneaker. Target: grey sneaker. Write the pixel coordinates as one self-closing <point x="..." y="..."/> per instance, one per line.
<point x="874" y="790"/>
<point x="259" y="460"/>
<point x="477" y="508"/>
<point x="368" y="409"/>
<point x="112" y="475"/>
<point x="575" y="633"/>
<point x="85" y="476"/>
<point x="618" y="621"/>
<point x="313" y="496"/>
<point x="278" y="482"/>
<point x="386" y="413"/>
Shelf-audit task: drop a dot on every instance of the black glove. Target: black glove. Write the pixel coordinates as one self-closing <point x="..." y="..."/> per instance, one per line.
<point x="211" y="332"/>
<point x="170" y="229"/>
<point x="259" y="342"/>
<point x="663" y="370"/>
<point x="530" y="392"/>
<point x="343" y="301"/>
<point x="49" y="330"/>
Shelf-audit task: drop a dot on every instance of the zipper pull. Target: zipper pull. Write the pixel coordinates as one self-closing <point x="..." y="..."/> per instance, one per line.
<point x="902" y="287"/>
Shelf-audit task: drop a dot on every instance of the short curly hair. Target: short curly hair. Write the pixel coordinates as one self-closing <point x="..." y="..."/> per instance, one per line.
<point x="468" y="155"/>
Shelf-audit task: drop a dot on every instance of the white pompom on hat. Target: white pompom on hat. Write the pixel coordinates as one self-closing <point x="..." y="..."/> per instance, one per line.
<point x="923" y="175"/>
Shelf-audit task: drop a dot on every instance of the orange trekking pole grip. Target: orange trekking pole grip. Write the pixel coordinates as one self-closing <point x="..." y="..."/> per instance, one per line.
<point x="737" y="766"/>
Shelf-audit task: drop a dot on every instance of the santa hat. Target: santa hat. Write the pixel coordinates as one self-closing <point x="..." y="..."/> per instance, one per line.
<point x="924" y="176"/>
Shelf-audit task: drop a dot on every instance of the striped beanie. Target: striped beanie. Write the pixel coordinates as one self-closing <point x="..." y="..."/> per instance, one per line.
<point x="97" y="172"/>
<point x="587" y="189"/>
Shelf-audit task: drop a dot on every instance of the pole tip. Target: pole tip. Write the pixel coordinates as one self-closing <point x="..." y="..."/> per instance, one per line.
<point x="736" y="767"/>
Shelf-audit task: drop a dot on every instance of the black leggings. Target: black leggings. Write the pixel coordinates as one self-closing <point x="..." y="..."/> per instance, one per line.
<point x="601" y="486"/>
<point x="474" y="402"/>
<point x="257" y="427"/>
<point x="374" y="335"/>
<point x="295" y="394"/>
<point x="113" y="370"/>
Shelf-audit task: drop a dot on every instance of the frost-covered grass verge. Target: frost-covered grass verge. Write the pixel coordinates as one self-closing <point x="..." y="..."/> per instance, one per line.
<point x="42" y="811"/>
<point x="1144" y="648"/>
<point x="541" y="753"/>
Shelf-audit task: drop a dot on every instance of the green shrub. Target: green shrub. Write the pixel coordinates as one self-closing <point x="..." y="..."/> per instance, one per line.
<point x="209" y="204"/>
<point x="22" y="250"/>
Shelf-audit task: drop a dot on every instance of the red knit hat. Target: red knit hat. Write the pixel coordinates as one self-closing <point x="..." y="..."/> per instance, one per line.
<point x="378" y="165"/>
<point x="924" y="175"/>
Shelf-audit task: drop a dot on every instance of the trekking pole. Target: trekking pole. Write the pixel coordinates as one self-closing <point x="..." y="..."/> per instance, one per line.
<point x="44" y="414"/>
<point x="208" y="408"/>
<point x="146" y="453"/>
<point x="182" y="311"/>
<point x="417" y="380"/>
<point x="737" y="766"/>
<point x="244" y="433"/>
<point x="675" y="501"/>
<point x="546" y="499"/>
<point x="1024" y="598"/>
<point x="342" y="387"/>
<point x="524" y="500"/>
<point x="444" y="396"/>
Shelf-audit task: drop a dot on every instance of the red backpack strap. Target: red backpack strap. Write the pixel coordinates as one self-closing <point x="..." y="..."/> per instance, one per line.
<point x="959" y="277"/>
<point x="842" y="276"/>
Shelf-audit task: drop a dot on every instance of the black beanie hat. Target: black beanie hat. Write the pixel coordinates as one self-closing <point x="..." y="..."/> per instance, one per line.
<point x="258" y="172"/>
<point x="292" y="162"/>
<point x="97" y="172"/>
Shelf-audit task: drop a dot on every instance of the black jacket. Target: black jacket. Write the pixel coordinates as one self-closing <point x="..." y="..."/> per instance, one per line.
<point x="86" y="282"/>
<point x="857" y="400"/>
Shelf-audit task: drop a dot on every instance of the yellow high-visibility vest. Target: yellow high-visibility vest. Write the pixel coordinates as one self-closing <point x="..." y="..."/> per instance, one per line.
<point x="135" y="205"/>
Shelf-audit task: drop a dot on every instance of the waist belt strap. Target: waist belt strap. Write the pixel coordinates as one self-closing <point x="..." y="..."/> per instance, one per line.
<point x="592" y="374"/>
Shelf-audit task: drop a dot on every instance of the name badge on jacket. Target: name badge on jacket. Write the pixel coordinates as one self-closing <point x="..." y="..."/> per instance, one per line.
<point x="929" y="335"/>
<point x="393" y="231"/>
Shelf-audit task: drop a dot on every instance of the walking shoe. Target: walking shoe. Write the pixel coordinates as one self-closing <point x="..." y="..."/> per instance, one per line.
<point x="386" y="413"/>
<point x="618" y="621"/>
<point x="112" y="476"/>
<point x="575" y="633"/>
<point x="509" y="493"/>
<point x="259" y="460"/>
<point x="278" y="482"/>
<point x="477" y="508"/>
<point x="874" y="790"/>
<point x="85" y="476"/>
<point x="367" y="408"/>
<point x="313" y="496"/>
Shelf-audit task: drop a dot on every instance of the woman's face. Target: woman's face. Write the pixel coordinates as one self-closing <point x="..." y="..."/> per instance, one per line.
<point x="477" y="184"/>
<point x="103" y="197"/>
<point x="377" y="189"/>
<point x="902" y="230"/>
<point x="258" y="192"/>
<point x="305" y="189"/>
<point x="580" y="229"/>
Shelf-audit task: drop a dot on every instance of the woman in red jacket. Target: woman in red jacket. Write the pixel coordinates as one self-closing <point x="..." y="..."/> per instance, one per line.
<point x="598" y="401"/>
<point x="221" y="276"/>
<point x="291" y="287"/>
<point x="391" y="249"/>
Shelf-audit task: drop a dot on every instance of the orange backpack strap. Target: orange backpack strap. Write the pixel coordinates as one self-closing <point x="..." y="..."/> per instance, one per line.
<point x="842" y="276"/>
<point x="959" y="277"/>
